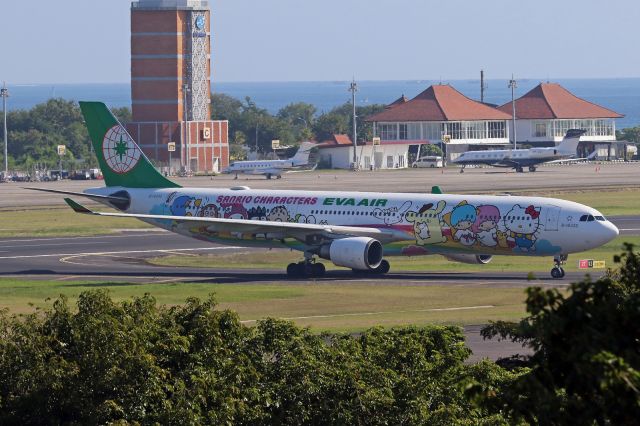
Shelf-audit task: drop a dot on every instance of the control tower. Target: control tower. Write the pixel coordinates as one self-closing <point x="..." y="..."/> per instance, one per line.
<point x="171" y="85"/>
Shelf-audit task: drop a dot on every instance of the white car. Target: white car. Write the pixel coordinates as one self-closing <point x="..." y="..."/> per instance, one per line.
<point x="431" y="161"/>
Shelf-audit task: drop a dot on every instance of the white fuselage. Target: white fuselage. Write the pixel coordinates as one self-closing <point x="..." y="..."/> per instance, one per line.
<point x="271" y="167"/>
<point x="416" y="224"/>
<point x="512" y="157"/>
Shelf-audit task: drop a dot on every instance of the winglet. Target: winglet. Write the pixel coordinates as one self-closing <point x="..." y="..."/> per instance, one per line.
<point x="77" y="207"/>
<point x="436" y="190"/>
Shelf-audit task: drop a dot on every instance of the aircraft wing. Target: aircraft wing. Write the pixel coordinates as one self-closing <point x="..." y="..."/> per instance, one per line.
<point x="569" y="160"/>
<point x="300" y="231"/>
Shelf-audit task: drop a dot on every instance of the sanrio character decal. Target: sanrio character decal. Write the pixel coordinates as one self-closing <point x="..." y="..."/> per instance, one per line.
<point x="278" y="214"/>
<point x="427" y="225"/>
<point x="486" y="225"/>
<point x="463" y="216"/>
<point x="257" y="213"/>
<point x="392" y="215"/>
<point x="210" y="210"/>
<point x="185" y="206"/>
<point x="522" y="224"/>
<point x="234" y="211"/>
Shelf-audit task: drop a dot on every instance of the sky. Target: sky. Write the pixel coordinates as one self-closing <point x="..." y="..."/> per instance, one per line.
<point x="88" y="41"/>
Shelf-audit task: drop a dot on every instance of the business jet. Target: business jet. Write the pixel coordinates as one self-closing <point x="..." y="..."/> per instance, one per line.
<point x="271" y="168"/>
<point x="356" y="230"/>
<point x="518" y="159"/>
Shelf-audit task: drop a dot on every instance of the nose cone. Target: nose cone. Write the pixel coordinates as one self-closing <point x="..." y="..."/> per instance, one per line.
<point x="606" y="232"/>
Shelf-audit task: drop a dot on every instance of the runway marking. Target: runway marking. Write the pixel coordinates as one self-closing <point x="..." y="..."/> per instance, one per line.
<point x="356" y="314"/>
<point x="56" y="244"/>
<point x="118" y="252"/>
<point x="628" y="229"/>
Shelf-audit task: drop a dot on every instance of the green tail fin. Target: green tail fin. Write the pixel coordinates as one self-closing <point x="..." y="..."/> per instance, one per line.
<point x="121" y="160"/>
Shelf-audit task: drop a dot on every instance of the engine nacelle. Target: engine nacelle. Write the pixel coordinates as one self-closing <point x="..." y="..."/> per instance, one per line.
<point x="474" y="259"/>
<point x="361" y="253"/>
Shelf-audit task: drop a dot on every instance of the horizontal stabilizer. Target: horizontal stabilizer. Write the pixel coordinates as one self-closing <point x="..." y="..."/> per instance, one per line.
<point x="78" y="208"/>
<point x="94" y="197"/>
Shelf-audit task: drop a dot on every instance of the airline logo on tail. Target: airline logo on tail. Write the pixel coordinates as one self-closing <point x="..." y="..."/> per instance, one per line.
<point x="120" y="152"/>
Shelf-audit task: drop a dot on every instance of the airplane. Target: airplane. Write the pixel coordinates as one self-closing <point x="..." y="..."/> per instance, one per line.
<point x="356" y="230"/>
<point x="271" y="168"/>
<point x="519" y="158"/>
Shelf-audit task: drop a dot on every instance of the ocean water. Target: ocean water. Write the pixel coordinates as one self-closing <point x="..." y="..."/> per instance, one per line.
<point x="621" y="95"/>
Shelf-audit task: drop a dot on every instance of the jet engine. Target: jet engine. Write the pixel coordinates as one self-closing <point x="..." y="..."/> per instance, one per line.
<point x="360" y="253"/>
<point x="474" y="259"/>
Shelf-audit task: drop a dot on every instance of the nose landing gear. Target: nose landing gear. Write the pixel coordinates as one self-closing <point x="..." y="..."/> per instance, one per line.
<point x="558" y="272"/>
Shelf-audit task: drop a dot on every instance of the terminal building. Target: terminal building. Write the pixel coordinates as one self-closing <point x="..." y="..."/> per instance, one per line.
<point x="546" y="112"/>
<point x="441" y="113"/>
<point x="171" y="86"/>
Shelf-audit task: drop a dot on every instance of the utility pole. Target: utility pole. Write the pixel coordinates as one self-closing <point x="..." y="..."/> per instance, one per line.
<point x="4" y="92"/>
<point x="483" y="86"/>
<point x="513" y="85"/>
<point x="353" y="88"/>
<point x="185" y="91"/>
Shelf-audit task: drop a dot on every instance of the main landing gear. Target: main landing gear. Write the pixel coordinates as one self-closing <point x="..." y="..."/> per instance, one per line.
<point x="558" y="272"/>
<point x="519" y="169"/>
<point x="307" y="268"/>
<point x="532" y="168"/>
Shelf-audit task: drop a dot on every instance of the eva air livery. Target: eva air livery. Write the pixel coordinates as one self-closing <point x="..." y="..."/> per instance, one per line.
<point x="357" y="230"/>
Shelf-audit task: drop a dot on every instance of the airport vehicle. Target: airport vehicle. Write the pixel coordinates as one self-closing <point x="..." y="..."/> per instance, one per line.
<point x="429" y="161"/>
<point x="271" y="168"/>
<point x="518" y="159"/>
<point x="356" y="230"/>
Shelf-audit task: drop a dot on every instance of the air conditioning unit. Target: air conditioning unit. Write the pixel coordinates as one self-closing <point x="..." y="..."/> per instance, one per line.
<point x="205" y="133"/>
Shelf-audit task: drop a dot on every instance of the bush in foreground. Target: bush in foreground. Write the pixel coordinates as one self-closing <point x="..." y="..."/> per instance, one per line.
<point x="195" y="364"/>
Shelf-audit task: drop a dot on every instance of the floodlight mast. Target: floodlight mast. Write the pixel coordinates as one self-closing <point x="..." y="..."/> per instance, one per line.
<point x="513" y="85"/>
<point x="353" y="88"/>
<point x="4" y="92"/>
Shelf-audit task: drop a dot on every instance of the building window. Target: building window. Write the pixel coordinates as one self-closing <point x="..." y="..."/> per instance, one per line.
<point x="432" y="131"/>
<point x="388" y="132"/>
<point x="402" y="131"/>
<point x="454" y="129"/>
<point x="497" y="129"/>
<point x="414" y="131"/>
<point x="539" y="129"/>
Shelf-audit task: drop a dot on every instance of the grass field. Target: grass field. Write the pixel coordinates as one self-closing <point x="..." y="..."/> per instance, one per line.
<point x="60" y="222"/>
<point x="322" y="307"/>
<point x="278" y="259"/>
<point x="63" y="222"/>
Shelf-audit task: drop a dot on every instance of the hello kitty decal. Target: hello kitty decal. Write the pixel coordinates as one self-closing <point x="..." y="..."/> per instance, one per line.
<point x="522" y="224"/>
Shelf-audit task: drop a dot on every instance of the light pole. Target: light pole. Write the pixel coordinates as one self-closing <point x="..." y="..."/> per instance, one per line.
<point x="4" y="92"/>
<point x="353" y="88"/>
<point x="513" y="85"/>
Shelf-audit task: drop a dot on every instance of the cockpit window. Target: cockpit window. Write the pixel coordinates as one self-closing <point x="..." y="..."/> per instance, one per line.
<point x="583" y="218"/>
<point x="591" y="218"/>
<point x="600" y="218"/>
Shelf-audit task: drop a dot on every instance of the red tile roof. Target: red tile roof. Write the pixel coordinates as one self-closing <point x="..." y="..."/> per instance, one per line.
<point x="551" y="101"/>
<point x="402" y="99"/>
<point x="336" y="140"/>
<point x="439" y="103"/>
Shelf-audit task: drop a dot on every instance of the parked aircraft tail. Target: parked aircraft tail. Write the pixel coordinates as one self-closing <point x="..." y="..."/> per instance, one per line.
<point x="302" y="155"/>
<point x="569" y="144"/>
<point x="121" y="160"/>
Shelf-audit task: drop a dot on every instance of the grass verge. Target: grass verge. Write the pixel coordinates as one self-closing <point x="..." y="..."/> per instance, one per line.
<point x="323" y="307"/>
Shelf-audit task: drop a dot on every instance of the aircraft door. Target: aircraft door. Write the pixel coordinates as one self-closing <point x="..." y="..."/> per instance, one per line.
<point x="552" y="216"/>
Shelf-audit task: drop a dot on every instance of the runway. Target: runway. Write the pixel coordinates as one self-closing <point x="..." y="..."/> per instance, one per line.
<point x="122" y="257"/>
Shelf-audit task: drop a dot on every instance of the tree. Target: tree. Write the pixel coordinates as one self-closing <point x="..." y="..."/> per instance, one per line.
<point x="585" y="367"/>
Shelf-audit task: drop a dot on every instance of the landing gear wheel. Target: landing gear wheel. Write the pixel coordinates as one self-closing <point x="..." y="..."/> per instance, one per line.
<point x="557" y="272"/>
<point x="295" y="270"/>
<point x="519" y="169"/>
<point x="268" y="175"/>
<point x="532" y="169"/>
<point x="318" y="270"/>
<point x="279" y="177"/>
<point x="462" y="170"/>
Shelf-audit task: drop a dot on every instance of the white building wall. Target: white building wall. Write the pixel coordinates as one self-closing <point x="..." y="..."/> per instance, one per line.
<point x="526" y="130"/>
<point x="382" y="156"/>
